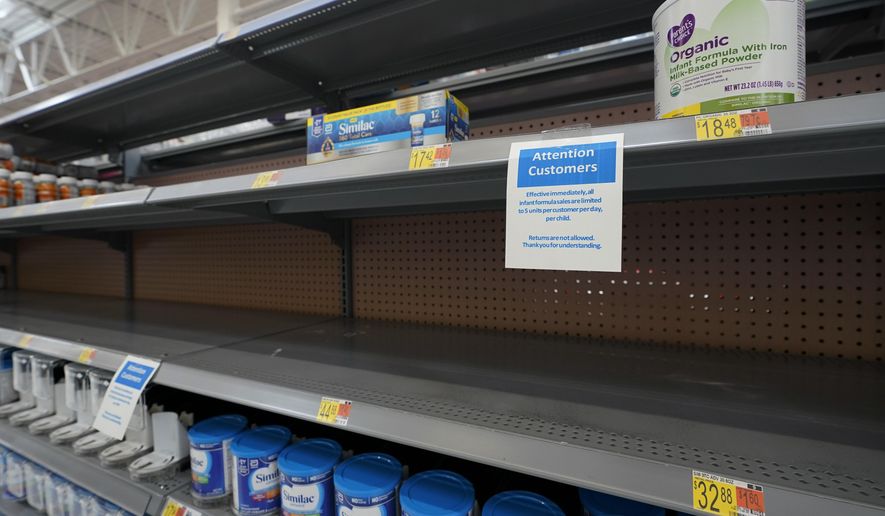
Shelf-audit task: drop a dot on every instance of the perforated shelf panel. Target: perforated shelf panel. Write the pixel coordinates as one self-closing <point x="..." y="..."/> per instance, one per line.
<point x="792" y="274"/>
<point x="261" y="266"/>
<point x="77" y="266"/>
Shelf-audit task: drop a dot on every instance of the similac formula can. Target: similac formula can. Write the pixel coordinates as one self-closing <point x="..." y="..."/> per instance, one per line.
<point x="23" y="188"/>
<point x="437" y="493"/>
<point x="88" y="187"/>
<point x="46" y="186"/>
<point x="724" y="55"/>
<point x="306" y="477"/>
<point x="68" y="188"/>
<point x="520" y="503"/>
<point x="256" y="486"/>
<point x="366" y="484"/>
<point x="5" y="188"/>
<point x="210" y="457"/>
<point x="600" y="504"/>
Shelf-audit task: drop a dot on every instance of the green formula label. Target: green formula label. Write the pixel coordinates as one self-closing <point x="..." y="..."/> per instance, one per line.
<point x="726" y="55"/>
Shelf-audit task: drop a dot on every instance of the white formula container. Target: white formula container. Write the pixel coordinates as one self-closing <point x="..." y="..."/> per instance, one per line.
<point x="725" y="55"/>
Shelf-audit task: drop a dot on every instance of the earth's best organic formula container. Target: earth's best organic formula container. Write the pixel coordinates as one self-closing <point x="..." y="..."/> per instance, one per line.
<point x="520" y="503"/>
<point x="68" y="188"/>
<point x="46" y="186"/>
<point x="23" y="191"/>
<point x="723" y="55"/>
<point x="5" y="188"/>
<point x="210" y="457"/>
<point x="366" y="484"/>
<point x="256" y="486"/>
<point x="437" y="493"/>
<point x="600" y="504"/>
<point x="306" y="477"/>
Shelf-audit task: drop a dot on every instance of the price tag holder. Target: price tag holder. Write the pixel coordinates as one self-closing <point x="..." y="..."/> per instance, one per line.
<point x="265" y="179"/>
<point x="175" y="508"/>
<point x="89" y="201"/>
<point x="716" y="494"/>
<point x="732" y="124"/>
<point x="87" y="355"/>
<point x="334" y="411"/>
<point x="430" y="156"/>
<point x="25" y="341"/>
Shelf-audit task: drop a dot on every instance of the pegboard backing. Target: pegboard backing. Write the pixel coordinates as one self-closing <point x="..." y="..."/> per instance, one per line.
<point x="788" y="274"/>
<point x="854" y="81"/>
<point x="69" y="265"/>
<point x="261" y="266"/>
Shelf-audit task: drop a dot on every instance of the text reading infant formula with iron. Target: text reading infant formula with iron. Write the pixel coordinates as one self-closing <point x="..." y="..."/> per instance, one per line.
<point x="725" y="55"/>
<point x="306" y="477"/>
<point x="256" y="487"/>
<point x="210" y="456"/>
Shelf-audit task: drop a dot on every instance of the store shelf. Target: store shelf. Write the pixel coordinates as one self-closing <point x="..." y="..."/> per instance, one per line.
<point x="108" y="212"/>
<point x="10" y="508"/>
<point x="822" y="145"/>
<point x="111" y="484"/>
<point x="629" y="419"/>
<point x="65" y="326"/>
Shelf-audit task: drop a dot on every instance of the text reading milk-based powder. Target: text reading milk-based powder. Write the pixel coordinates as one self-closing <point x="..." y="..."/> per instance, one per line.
<point x="256" y="487"/>
<point x="210" y="442"/>
<point x="306" y="477"/>
<point x="366" y="485"/>
<point x="725" y="55"/>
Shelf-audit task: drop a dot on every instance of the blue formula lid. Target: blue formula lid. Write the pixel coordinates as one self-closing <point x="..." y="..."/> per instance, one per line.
<point x="368" y="475"/>
<point x="520" y="503"/>
<point x="437" y="493"/>
<point x="309" y="457"/>
<point x="601" y="504"/>
<point x="216" y="429"/>
<point x="261" y="442"/>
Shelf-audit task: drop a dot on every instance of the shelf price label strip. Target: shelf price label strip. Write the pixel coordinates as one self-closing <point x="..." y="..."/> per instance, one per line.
<point x="732" y="124"/>
<point x="334" y="411"/>
<point x="175" y="508"/>
<point x="430" y="156"/>
<point x="715" y="494"/>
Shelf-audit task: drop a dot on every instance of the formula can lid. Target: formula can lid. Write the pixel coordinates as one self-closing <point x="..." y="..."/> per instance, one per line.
<point x="309" y="457"/>
<point x="602" y="504"/>
<point x="261" y="442"/>
<point x="368" y="475"/>
<point x="437" y="493"/>
<point x="520" y="503"/>
<point x="217" y="429"/>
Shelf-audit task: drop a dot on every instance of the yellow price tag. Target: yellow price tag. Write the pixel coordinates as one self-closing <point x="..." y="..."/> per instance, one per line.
<point x="333" y="411"/>
<point x="89" y="201"/>
<point x="716" y="494"/>
<point x="87" y="355"/>
<point x="734" y="124"/>
<point x="266" y="179"/>
<point x="432" y="156"/>
<point x="25" y="340"/>
<point x="18" y="211"/>
<point x="175" y="508"/>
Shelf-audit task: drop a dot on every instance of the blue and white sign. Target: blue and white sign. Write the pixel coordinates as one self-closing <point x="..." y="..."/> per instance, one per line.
<point x="123" y="395"/>
<point x="565" y="204"/>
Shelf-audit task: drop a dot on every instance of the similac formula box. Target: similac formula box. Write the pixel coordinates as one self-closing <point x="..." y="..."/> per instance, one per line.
<point x="426" y="119"/>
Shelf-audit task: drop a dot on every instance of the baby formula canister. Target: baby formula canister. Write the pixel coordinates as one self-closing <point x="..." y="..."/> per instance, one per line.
<point x="68" y="187"/>
<point x="725" y="55"/>
<point x="601" y="504"/>
<point x="5" y="188"/>
<point x="306" y="477"/>
<point x="88" y="187"/>
<point x="366" y="484"/>
<point x="46" y="186"/>
<point x="256" y="486"/>
<point x="23" y="188"/>
<point x="210" y="457"/>
<point x="437" y="493"/>
<point x="520" y="503"/>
